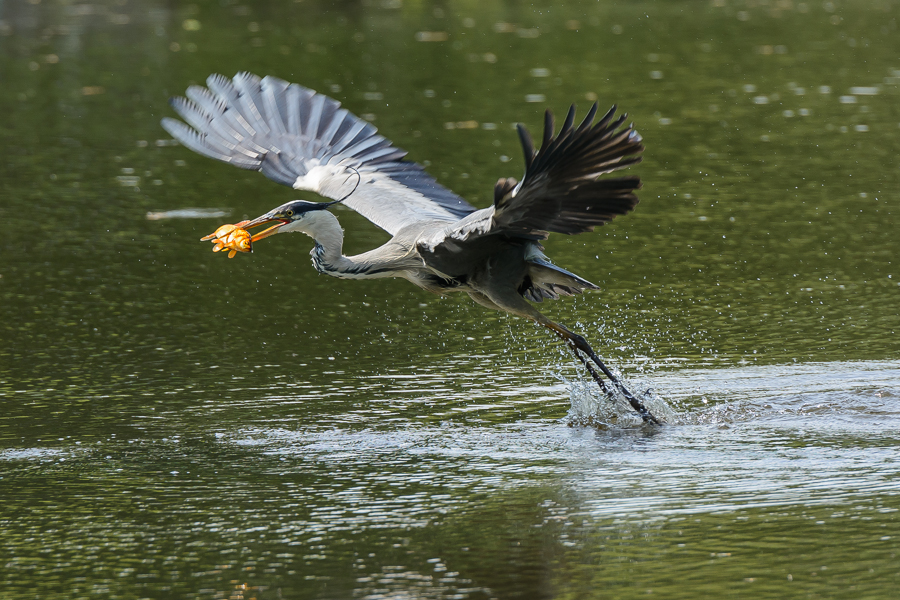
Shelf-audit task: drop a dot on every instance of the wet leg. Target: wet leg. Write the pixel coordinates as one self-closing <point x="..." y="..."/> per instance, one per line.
<point x="576" y="343"/>
<point x="516" y="304"/>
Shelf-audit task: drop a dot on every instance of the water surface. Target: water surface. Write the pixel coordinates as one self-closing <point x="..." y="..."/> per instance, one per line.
<point x="177" y="424"/>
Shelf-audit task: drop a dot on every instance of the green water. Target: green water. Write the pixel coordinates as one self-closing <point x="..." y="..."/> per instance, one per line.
<point x="174" y="424"/>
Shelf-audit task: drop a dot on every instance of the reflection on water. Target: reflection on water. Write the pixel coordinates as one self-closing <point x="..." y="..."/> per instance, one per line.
<point x="188" y="213"/>
<point x="798" y="456"/>
<point x="174" y="425"/>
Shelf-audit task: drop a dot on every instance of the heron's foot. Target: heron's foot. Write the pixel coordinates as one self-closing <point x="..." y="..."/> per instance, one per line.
<point x="582" y="349"/>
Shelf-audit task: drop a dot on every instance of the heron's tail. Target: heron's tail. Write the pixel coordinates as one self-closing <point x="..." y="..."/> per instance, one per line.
<point x="546" y="280"/>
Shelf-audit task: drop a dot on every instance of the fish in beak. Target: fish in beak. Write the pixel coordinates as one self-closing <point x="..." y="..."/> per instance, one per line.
<point x="236" y="238"/>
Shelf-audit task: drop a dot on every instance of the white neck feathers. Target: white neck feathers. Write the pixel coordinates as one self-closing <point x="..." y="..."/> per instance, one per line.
<point x="327" y="256"/>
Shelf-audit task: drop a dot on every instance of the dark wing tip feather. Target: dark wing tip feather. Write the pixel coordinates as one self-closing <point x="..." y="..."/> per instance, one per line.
<point x="607" y="117"/>
<point x="570" y="120"/>
<point x="527" y="144"/>
<point x="549" y="126"/>
<point x="589" y="118"/>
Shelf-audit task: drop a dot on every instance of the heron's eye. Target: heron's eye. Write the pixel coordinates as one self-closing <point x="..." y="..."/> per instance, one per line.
<point x="290" y="213"/>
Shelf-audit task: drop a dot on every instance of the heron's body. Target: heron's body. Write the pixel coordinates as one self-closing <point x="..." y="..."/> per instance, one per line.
<point x="480" y="269"/>
<point x="439" y="242"/>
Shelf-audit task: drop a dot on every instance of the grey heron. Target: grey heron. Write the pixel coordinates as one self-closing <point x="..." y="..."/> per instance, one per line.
<point x="305" y="140"/>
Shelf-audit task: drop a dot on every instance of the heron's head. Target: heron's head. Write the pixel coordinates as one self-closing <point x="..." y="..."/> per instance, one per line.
<point x="287" y="217"/>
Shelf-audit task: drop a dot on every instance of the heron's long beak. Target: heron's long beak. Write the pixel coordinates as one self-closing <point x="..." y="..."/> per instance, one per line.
<point x="264" y="220"/>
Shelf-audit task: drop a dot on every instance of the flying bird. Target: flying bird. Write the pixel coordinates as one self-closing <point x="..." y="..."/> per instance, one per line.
<point x="439" y="242"/>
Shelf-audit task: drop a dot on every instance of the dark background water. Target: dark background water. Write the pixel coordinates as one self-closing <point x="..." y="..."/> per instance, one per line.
<point x="176" y="424"/>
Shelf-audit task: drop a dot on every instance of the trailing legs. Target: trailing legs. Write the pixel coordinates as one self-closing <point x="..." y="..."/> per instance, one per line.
<point x="578" y="343"/>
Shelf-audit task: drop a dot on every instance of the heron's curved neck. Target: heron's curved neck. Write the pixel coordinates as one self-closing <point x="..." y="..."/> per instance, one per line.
<point x="327" y="256"/>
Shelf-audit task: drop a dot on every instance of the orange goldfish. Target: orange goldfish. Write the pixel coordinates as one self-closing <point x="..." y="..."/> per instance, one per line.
<point x="231" y="237"/>
<point x="235" y="238"/>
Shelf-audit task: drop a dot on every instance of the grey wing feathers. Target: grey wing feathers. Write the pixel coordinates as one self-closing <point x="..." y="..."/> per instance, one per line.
<point x="561" y="191"/>
<point x="305" y="140"/>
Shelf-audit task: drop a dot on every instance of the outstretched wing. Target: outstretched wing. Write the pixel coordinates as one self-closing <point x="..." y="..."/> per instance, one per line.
<point x="305" y="140"/>
<point x="561" y="191"/>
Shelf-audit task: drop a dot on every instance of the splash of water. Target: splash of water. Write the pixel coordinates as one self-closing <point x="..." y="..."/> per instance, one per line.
<point x="591" y="407"/>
